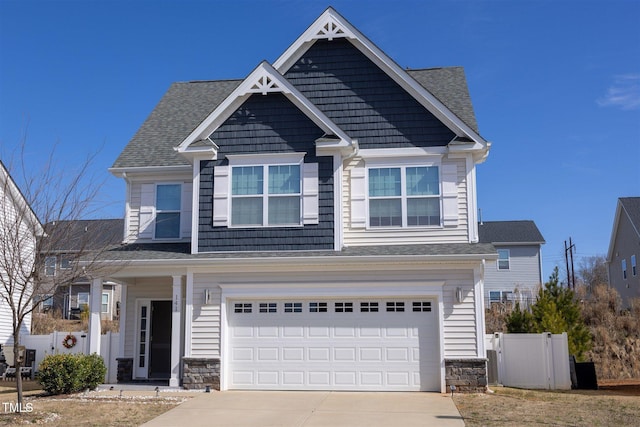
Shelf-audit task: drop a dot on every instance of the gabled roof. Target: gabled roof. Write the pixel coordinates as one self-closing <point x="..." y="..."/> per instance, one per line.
<point x="12" y="191"/>
<point x="510" y="232"/>
<point x="331" y="25"/>
<point x="188" y="110"/>
<point x="187" y="104"/>
<point x="629" y="206"/>
<point x="263" y="79"/>
<point x="89" y="234"/>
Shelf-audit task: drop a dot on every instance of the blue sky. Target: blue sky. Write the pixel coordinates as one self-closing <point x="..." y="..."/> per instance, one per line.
<point x="555" y="86"/>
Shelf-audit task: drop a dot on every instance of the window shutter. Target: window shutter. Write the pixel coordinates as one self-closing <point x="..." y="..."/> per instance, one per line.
<point x="147" y="211"/>
<point x="310" y="210"/>
<point x="450" y="195"/>
<point x="358" y="197"/>
<point x="186" y="209"/>
<point x="221" y="196"/>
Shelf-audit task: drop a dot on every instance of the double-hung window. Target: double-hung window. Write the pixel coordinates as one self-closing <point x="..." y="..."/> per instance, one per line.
<point x="503" y="259"/>
<point x="266" y="195"/>
<point x="407" y="196"/>
<point x="168" y="211"/>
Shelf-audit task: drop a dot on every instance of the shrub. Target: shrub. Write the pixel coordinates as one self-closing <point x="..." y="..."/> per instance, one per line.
<point x="70" y="373"/>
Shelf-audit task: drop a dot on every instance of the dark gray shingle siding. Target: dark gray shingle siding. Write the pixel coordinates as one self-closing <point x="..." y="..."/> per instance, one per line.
<point x="509" y="232"/>
<point x="267" y="124"/>
<point x="363" y="100"/>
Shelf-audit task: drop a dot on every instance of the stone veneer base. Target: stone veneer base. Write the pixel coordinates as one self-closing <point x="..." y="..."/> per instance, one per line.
<point x="468" y="375"/>
<point x="197" y="373"/>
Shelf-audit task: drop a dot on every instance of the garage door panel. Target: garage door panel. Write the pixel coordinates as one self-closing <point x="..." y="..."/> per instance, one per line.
<point x="327" y="350"/>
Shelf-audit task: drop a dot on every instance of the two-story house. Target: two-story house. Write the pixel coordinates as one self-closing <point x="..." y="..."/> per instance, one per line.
<point x="517" y="273"/>
<point x="624" y="250"/>
<point x="19" y="229"/>
<point x="71" y="297"/>
<point x="309" y="227"/>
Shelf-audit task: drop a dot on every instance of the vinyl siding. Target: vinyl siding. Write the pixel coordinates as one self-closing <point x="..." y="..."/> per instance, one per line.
<point x="362" y="236"/>
<point x="135" y="202"/>
<point x="523" y="273"/>
<point x="459" y="318"/>
<point x="205" y="329"/>
<point x="23" y="239"/>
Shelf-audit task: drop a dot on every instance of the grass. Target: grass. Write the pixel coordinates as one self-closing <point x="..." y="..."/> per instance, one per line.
<point x="515" y="407"/>
<point x="97" y="408"/>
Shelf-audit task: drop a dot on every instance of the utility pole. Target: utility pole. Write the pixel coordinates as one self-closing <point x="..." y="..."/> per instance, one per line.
<point x="571" y="274"/>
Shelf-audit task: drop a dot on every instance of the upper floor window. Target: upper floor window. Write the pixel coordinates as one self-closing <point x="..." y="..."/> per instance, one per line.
<point x="407" y="196"/>
<point x="168" y="203"/>
<point x="634" y="268"/>
<point x="265" y="195"/>
<point x="624" y="268"/>
<point x="503" y="259"/>
<point x="50" y="266"/>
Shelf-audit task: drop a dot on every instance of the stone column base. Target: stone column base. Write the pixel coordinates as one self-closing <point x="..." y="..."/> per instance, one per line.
<point x="197" y="373"/>
<point x="125" y="369"/>
<point x="468" y="375"/>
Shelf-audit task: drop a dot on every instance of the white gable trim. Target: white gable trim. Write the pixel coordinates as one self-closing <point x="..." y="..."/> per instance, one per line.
<point x="332" y="25"/>
<point x="263" y="80"/>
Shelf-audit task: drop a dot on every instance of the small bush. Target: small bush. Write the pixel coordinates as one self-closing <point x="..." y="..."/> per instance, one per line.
<point x="71" y="373"/>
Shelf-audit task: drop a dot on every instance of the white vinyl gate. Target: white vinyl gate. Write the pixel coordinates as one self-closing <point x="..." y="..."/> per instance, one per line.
<point x="364" y="344"/>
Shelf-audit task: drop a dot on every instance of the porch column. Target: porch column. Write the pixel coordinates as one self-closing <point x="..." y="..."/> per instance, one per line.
<point x="176" y="338"/>
<point x="95" y="307"/>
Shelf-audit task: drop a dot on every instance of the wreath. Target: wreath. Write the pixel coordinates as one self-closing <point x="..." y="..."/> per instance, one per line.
<point x="69" y="341"/>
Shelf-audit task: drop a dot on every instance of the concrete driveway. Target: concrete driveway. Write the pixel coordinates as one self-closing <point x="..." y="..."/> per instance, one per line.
<point x="310" y="409"/>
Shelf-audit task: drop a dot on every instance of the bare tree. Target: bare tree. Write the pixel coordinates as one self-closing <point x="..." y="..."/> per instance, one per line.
<point x="38" y="218"/>
<point x="592" y="271"/>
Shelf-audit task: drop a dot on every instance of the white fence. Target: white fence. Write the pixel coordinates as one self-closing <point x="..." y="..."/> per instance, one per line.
<point x="537" y="361"/>
<point x="52" y="344"/>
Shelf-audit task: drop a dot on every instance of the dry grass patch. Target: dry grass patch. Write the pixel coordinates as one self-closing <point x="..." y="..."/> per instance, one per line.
<point x="88" y="409"/>
<point x="515" y="407"/>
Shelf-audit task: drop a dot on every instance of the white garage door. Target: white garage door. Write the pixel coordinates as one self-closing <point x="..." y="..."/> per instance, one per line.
<point x="372" y="344"/>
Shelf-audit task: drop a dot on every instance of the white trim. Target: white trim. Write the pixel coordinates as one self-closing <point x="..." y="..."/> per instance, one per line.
<point x="123" y="319"/>
<point x="265" y="159"/>
<point x="248" y="87"/>
<point x="370" y="154"/>
<point x="400" y="76"/>
<point x="141" y="372"/>
<point x="151" y="170"/>
<point x="188" y="315"/>
<point x="338" y="211"/>
<point x="195" y="205"/>
<point x="478" y="293"/>
<point x="176" y="329"/>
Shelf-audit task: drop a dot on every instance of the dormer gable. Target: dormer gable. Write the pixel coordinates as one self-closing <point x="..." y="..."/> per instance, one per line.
<point x="263" y="80"/>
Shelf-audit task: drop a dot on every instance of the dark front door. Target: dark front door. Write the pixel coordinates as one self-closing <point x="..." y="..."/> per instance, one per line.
<point x="160" y="340"/>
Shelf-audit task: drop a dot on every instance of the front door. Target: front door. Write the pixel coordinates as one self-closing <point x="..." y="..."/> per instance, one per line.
<point x="153" y="339"/>
<point x="160" y="340"/>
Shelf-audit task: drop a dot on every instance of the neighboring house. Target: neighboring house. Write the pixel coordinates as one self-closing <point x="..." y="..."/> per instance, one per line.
<point x="517" y="273"/>
<point x="624" y="250"/>
<point x="81" y="236"/>
<point x="310" y="227"/>
<point x="19" y="229"/>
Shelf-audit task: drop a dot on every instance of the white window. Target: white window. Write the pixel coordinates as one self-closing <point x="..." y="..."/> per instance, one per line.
<point x="168" y="202"/>
<point x="343" y="307"/>
<point x="293" y="307"/>
<point x="266" y="195"/>
<point x="242" y="307"/>
<point x="369" y="307"/>
<point x="395" y="306"/>
<point x="50" y="266"/>
<point x="494" y="296"/>
<point x="624" y="269"/>
<point x="634" y="269"/>
<point x="83" y="300"/>
<point x="503" y="259"/>
<point x="104" y="306"/>
<point x="421" y="306"/>
<point x="404" y="196"/>
<point x="317" y="307"/>
<point x="65" y="263"/>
